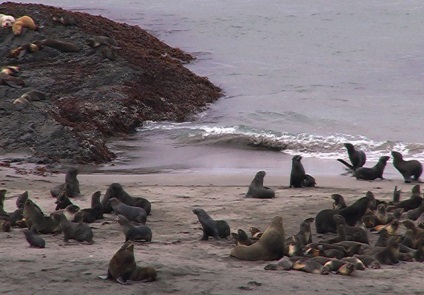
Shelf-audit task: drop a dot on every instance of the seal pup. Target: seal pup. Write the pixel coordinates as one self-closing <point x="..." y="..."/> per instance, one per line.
<point x="11" y="81"/>
<point x="33" y="239"/>
<point x="414" y="201"/>
<point x="97" y="41"/>
<point x="134" y="233"/>
<point x="257" y="188"/>
<point x="241" y="238"/>
<point x="368" y="261"/>
<point x="305" y="233"/>
<point x="374" y="172"/>
<point x="95" y="211"/>
<point x="408" y="169"/>
<point x="2" y="199"/>
<point x="339" y="202"/>
<point x="6" y="21"/>
<point x="413" y="214"/>
<point x="59" y="45"/>
<point x="70" y="212"/>
<point x="211" y="228"/>
<point x="255" y="232"/>
<point x="23" y="22"/>
<point x="270" y="245"/>
<point x="4" y="226"/>
<point x="115" y="190"/>
<point x="74" y="230"/>
<point x="62" y="201"/>
<point x="390" y="254"/>
<point x="311" y="266"/>
<point x="36" y="221"/>
<point x="65" y="20"/>
<point x="379" y="217"/>
<point x="357" y="157"/>
<point x="282" y="264"/>
<point x="123" y="268"/>
<point x="136" y="214"/>
<point x="297" y="174"/>
<point x="71" y="185"/>
<point x="28" y="97"/>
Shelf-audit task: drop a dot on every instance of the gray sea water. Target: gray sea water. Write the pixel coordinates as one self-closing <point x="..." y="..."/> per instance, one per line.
<point x="302" y="75"/>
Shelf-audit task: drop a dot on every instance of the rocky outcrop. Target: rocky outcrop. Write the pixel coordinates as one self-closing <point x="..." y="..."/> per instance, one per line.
<point x="93" y="94"/>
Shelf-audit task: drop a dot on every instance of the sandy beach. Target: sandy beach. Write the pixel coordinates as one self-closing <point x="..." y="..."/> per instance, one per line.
<point x="186" y="265"/>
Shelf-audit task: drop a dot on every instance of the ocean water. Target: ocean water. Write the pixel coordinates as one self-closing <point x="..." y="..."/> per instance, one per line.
<point x="300" y="77"/>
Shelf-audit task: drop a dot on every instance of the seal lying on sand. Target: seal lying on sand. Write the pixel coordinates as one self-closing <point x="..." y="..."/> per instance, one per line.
<point x="134" y="233"/>
<point x="257" y="188"/>
<point x="123" y="268"/>
<point x="214" y="228"/>
<point x="407" y="168"/>
<point x="357" y="157"/>
<point x="136" y="214"/>
<point x="115" y="190"/>
<point x="34" y="239"/>
<point x="270" y="246"/>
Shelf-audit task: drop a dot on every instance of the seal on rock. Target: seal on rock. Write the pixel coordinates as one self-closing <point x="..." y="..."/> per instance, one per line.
<point x="33" y="239"/>
<point x="408" y="169"/>
<point x="212" y="228"/>
<point x="123" y="268"/>
<point x="257" y="188"/>
<point x="6" y="21"/>
<point x="375" y="172"/>
<point x="23" y="22"/>
<point x="136" y="214"/>
<point x="134" y="233"/>
<point x="357" y="157"/>
<point x="60" y="45"/>
<point x="270" y="245"/>
<point x="115" y="190"/>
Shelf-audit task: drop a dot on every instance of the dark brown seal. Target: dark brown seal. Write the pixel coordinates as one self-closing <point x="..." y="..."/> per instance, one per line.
<point x="71" y="185"/>
<point x="60" y="45"/>
<point x="298" y="177"/>
<point x="136" y="214"/>
<point x="241" y="238"/>
<point x="95" y="212"/>
<point x="339" y="202"/>
<point x="408" y="169"/>
<point x="372" y="173"/>
<point x="134" y="233"/>
<point x="123" y="268"/>
<point x="357" y="157"/>
<point x="34" y="239"/>
<point x="36" y="221"/>
<point x="257" y="188"/>
<point x="115" y="190"/>
<point x="212" y="228"/>
<point x="390" y="254"/>
<point x="64" y="20"/>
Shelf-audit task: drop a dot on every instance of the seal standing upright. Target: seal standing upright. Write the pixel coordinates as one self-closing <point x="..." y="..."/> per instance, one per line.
<point x="357" y="157"/>
<point x="214" y="228"/>
<point x="115" y="190"/>
<point x="407" y="168"/>
<point x="297" y="174"/>
<point x="257" y="188"/>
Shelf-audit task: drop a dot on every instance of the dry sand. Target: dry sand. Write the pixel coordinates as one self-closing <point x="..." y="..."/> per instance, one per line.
<point x="186" y="265"/>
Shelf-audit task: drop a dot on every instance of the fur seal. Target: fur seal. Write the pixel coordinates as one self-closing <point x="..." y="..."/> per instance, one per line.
<point x="305" y="233"/>
<point x="255" y="232"/>
<point x="115" y="190"/>
<point x="324" y="221"/>
<point x="134" y="233"/>
<point x="23" y="22"/>
<point x="71" y="186"/>
<point x="123" y="268"/>
<point x="2" y="199"/>
<point x="62" y="201"/>
<point x="33" y="239"/>
<point x="311" y="266"/>
<point x="368" y="261"/>
<point x="97" y="41"/>
<point x="11" y="81"/>
<point x="408" y="169"/>
<point x="64" y="20"/>
<point x="6" y="21"/>
<point x="413" y="214"/>
<point x="257" y="188"/>
<point x="359" y="265"/>
<point x="211" y="228"/>
<point x="70" y="212"/>
<point x="74" y="230"/>
<point x="20" y="200"/>
<point x="339" y="202"/>
<point x="298" y="177"/>
<point x="95" y="211"/>
<point x="357" y="157"/>
<point x="136" y="214"/>
<point x="241" y="238"/>
<point x="282" y="264"/>
<point x="294" y="247"/>
<point x="62" y="46"/>
<point x="374" y="172"/>
<point x="414" y="201"/>
<point x="5" y="226"/>
<point x="36" y="221"/>
<point x="379" y="217"/>
<point x="28" y="97"/>
<point x="270" y="245"/>
<point x="390" y="254"/>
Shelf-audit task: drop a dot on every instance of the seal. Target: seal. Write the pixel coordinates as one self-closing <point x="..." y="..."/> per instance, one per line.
<point x="6" y="21"/>
<point x="23" y="22"/>
<point x="396" y="195"/>
<point x="357" y="157"/>
<point x="62" y="201"/>
<point x="311" y="266"/>
<point x="136" y="214"/>
<point x="123" y="268"/>
<point x="339" y="202"/>
<point x="293" y="247"/>
<point x="33" y="239"/>
<point x="2" y="199"/>
<point x="415" y="213"/>
<point x="4" y="226"/>
<point x="96" y="211"/>
<point x="60" y="45"/>
<point x="379" y="217"/>
<point x="305" y="233"/>
<point x="98" y="41"/>
<point x="10" y="70"/>
<point x="282" y="264"/>
<point x="20" y="200"/>
<point x="65" y="20"/>
<point x="211" y="228"/>
<point x="390" y="254"/>
<point x="373" y="173"/>
<point x="324" y="221"/>
<point x="71" y="185"/>
<point x="27" y="97"/>
<point x="359" y="265"/>
<point x="11" y="81"/>
<point x="346" y="269"/>
<point x="134" y="233"/>
<point x="297" y="174"/>
<point x="241" y="238"/>
<point x="115" y="190"/>
<point x="341" y="236"/>
<point x="70" y="212"/>
<point x="368" y="261"/>
<point x="255" y="232"/>
<point x="270" y="245"/>
<point x="74" y="230"/>
<point x="417" y="233"/>
<point x="36" y="221"/>
<point x="257" y="188"/>
<point x="408" y="169"/>
<point x="414" y="201"/>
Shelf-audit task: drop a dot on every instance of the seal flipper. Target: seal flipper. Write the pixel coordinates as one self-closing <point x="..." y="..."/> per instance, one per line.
<point x="121" y="281"/>
<point x="347" y="164"/>
<point x="106" y="277"/>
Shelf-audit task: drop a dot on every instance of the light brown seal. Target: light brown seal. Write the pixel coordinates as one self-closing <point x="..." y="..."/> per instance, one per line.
<point x="270" y="246"/>
<point x="23" y="22"/>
